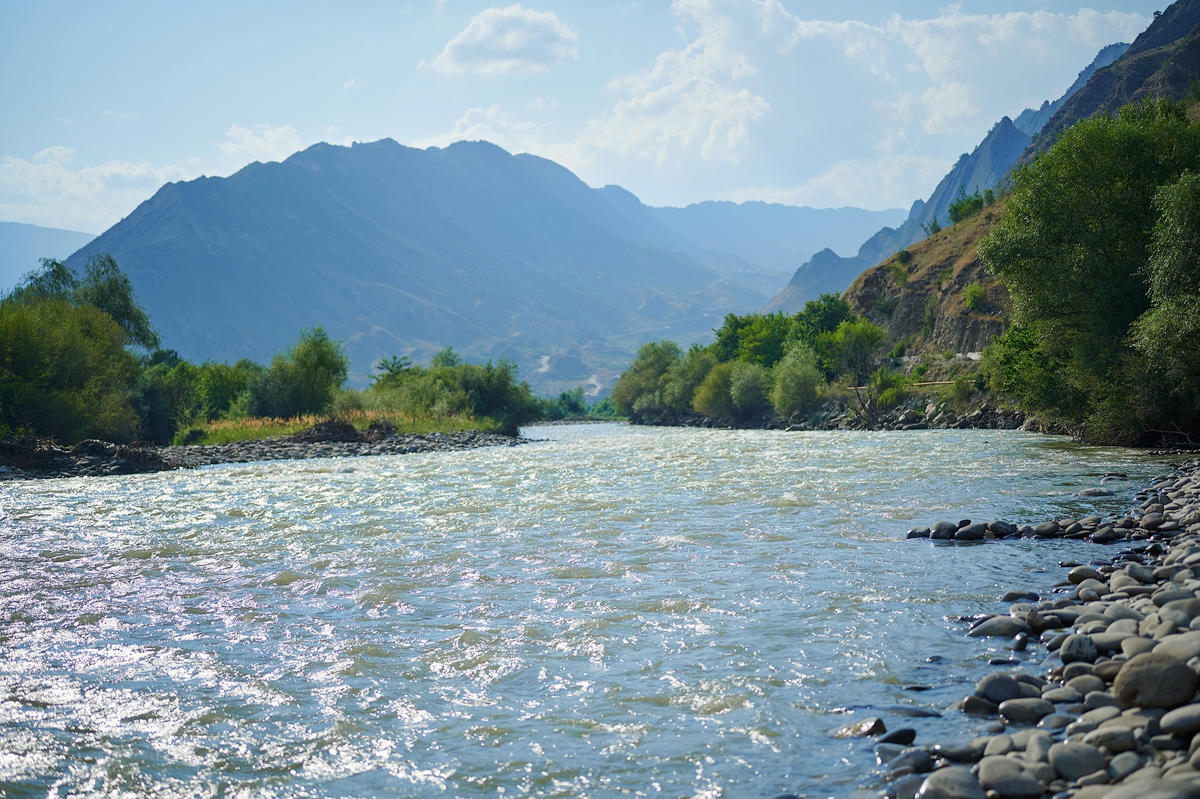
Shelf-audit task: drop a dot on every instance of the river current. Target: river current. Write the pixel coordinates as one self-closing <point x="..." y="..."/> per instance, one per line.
<point x="610" y="611"/>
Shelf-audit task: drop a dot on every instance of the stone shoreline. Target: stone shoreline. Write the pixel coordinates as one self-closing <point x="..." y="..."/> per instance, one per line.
<point x="33" y="459"/>
<point x="1114" y="712"/>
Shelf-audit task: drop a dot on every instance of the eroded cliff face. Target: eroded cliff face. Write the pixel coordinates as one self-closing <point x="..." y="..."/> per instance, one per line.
<point x="938" y="296"/>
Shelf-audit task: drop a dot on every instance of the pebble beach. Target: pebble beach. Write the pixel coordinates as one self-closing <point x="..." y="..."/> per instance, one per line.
<point x="1111" y="709"/>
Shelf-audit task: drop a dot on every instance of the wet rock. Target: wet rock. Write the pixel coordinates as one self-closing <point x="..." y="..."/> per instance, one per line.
<point x="903" y="736"/>
<point x="1007" y="777"/>
<point x="859" y="729"/>
<point x="998" y="688"/>
<point x="943" y="531"/>
<point x="1078" y="648"/>
<point x="1001" y="627"/>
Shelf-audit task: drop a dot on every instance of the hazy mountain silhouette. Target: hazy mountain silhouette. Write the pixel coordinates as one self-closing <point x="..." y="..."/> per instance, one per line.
<point x="983" y="168"/>
<point x="403" y="251"/>
<point x="22" y="246"/>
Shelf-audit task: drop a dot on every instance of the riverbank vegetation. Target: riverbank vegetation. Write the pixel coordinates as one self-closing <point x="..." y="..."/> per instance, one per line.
<point x="1098" y="250"/>
<point x="80" y="359"/>
<point x="1084" y="278"/>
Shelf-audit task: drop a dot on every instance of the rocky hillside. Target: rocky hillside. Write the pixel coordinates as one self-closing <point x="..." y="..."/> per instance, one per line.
<point x="1162" y="62"/>
<point x="936" y="293"/>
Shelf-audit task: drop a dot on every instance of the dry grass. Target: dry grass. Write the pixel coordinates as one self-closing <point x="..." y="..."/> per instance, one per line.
<point x="227" y="431"/>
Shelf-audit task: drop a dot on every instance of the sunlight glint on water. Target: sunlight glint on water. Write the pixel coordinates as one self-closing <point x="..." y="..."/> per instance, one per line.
<point x="614" y="612"/>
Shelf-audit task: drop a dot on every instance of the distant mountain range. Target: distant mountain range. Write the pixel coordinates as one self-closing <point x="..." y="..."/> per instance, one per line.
<point x="984" y="168"/>
<point x="22" y="246"/>
<point x="396" y="250"/>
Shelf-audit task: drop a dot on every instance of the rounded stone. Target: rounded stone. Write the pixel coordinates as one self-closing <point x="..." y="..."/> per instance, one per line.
<point x="1081" y="573"/>
<point x="1005" y="776"/>
<point x="1025" y="711"/>
<point x="1000" y="627"/>
<point x="954" y="782"/>
<point x="1074" y="760"/>
<point x="998" y="688"/>
<point x="1184" y="719"/>
<point x="1154" y="679"/>
<point x="1078" y="648"/>
<point x="859" y="729"/>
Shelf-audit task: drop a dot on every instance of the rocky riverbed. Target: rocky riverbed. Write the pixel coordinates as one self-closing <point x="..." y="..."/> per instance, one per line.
<point x="38" y="458"/>
<point x="1112" y="711"/>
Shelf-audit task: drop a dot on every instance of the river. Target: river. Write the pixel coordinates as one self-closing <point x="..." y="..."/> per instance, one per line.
<point x="610" y="611"/>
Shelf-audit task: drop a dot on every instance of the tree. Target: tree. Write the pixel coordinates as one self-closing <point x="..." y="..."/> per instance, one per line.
<point x="798" y="382"/>
<point x="103" y="286"/>
<point x="681" y="380"/>
<point x="858" y="345"/>
<point x="637" y="393"/>
<point x="1072" y="249"/>
<point x="712" y="395"/>
<point x="301" y="380"/>
<point x="750" y="387"/>
<point x="65" y="372"/>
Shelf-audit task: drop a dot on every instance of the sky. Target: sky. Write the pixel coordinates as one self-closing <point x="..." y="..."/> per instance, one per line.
<point x="823" y="104"/>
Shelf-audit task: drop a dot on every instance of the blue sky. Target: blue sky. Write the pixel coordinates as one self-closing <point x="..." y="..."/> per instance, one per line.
<point x="807" y="103"/>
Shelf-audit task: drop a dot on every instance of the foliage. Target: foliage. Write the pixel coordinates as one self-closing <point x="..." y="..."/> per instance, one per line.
<point x="684" y="376"/>
<point x="756" y="338"/>
<point x="637" y="393"/>
<point x="885" y="304"/>
<point x="858" y="344"/>
<point x="391" y="368"/>
<point x="821" y="315"/>
<point x="103" y="286"/>
<point x="966" y="206"/>
<point x="750" y="387"/>
<point x="933" y="228"/>
<point x="798" y="382"/>
<point x="904" y="257"/>
<point x="301" y="380"/>
<point x="65" y="372"/>
<point x="450" y="388"/>
<point x="1074" y="250"/>
<point x="974" y="296"/>
<point x="568" y="404"/>
<point x="929" y="318"/>
<point x="712" y="395"/>
<point x="1168" y="333"/>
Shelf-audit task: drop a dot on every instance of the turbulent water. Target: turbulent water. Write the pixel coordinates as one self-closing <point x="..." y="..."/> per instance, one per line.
<point x="614" y="611"/>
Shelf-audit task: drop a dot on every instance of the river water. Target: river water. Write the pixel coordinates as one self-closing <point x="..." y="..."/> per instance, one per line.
<point x="612" y="611"/>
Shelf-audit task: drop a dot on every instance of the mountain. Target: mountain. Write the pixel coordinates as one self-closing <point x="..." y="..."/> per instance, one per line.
<point x="1162" y="62"/>
<point x="396" y="250"/>
<point x="1032" y="121"/>
<point x="983" y="168"/>
<point x="21" y="247"/>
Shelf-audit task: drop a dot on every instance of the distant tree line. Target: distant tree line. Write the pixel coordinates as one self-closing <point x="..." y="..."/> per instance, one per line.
<point x="80" y="358"/>
<point x="763" y="365"/>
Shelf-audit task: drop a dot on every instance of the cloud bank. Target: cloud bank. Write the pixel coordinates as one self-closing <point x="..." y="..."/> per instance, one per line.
<point x="507" y="41"/>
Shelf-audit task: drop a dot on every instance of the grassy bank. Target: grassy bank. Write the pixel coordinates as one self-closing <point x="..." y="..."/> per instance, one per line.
<point x="227" y="431"/>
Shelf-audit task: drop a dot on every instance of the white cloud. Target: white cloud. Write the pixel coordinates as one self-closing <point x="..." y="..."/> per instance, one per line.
<point x="351" y="85"/>
<point x="504" y="41"/>
<point x="875" y="184"/>
<point x="48" y="190"/>
<point x="489" y="124"/>
<point x="687" y="103"/>
<point x="262" y="143"/>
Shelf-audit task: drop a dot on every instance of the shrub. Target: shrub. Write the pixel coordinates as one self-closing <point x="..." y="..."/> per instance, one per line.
<point x="684" y="376"/>
<point x="637" y="392"/>
<point x="930" y="317"/>
<point x="798" y="382"/>
<point x="750" y="387"/>
<point x="974" y="296"/>
<point x="885" y="305"/>
<point x="966" y="206"/>
<point x="65" y="372"/>
<point x="712" y="395"/>
<point x="301" y="380"/>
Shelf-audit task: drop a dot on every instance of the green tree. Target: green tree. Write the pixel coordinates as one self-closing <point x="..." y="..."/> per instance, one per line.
<point x="750" y="387"/>
<point x="858" y="344"/>
<point x="65" y="372"/>
<point x="798" y="382"/>
<point x="712" y="395"/>
<point x="103" y="286"/>
<point x="301" y="380"/>
<point x="1072" y="249"/>
<point x="637" y="393"/>
<point x="681" y="380"/>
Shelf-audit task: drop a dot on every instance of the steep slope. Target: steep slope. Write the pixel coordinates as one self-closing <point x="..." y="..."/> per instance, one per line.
<point x="22" y="246"/>
<point x="924" y="300"/>
<point x="404" y="251"/>
<point x="1032" y="121"/>
<point x="1162" y="62"/>
<point x="984" y="168"/>
<point x="981" y="169"/>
